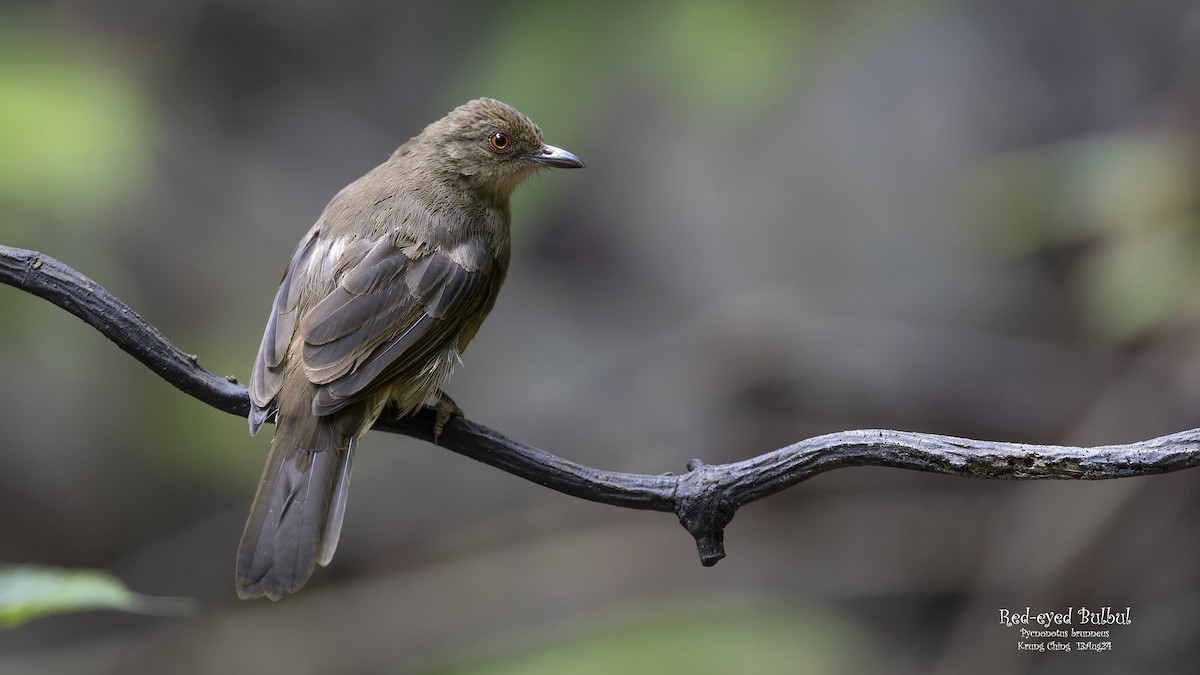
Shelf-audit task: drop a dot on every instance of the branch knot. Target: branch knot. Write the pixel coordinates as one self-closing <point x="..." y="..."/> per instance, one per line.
<point x="704" y="508"/>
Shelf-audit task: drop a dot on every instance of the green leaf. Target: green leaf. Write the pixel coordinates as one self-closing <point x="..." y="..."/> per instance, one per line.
<point x="28" y="592"/>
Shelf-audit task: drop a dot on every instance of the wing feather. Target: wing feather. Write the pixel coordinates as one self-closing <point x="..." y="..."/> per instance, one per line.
<point x="396" y="308"/>
<point x="390" y="316"/>
<point x="266" y="375"/>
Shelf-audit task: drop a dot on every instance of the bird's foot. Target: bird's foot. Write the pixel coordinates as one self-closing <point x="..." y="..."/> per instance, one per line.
<point x="446" y="408"/>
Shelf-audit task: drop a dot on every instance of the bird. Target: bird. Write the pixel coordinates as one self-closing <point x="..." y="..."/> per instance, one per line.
<point x="380" y="299"/>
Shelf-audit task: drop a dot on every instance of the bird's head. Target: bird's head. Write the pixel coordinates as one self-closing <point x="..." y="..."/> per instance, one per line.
<point x="491" y="146"/>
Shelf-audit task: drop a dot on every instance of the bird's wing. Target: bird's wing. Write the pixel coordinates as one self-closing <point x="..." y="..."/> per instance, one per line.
<point x="391" y="314"/>
<point x="266" y="376"/>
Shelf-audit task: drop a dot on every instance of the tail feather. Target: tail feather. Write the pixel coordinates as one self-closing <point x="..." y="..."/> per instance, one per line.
<point x="337" y="508"/>
<point x="297" y="510"/>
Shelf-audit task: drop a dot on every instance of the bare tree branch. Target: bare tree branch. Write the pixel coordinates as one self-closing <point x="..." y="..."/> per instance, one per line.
<point x="704" y="498"/>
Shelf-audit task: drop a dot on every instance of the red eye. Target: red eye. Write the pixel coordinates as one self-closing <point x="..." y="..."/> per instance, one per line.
<point x="499" y="141"/>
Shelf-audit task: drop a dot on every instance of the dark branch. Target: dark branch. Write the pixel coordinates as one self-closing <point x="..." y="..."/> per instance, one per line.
<point x="704" y="498"/>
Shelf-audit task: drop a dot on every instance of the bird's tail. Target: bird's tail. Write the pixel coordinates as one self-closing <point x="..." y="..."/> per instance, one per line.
<point x="298" y="509"/>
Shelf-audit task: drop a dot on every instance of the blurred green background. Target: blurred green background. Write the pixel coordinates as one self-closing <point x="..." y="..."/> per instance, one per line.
<point x="960" y="217"/>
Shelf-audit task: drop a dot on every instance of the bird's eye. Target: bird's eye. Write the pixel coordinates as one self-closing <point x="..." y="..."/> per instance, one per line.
<point x="499" y="141"/>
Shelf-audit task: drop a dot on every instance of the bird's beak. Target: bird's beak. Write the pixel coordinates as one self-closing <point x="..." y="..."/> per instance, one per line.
<point x="557" y="157"/>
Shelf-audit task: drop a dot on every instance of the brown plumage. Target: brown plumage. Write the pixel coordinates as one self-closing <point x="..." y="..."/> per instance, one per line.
<point x="381" y="297"/>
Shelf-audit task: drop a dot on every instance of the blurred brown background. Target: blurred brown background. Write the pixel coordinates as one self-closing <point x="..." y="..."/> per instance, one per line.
<point x="961" y="217"/>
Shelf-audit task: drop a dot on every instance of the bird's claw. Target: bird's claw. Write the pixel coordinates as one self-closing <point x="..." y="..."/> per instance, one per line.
<point x="446" y="408"/>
